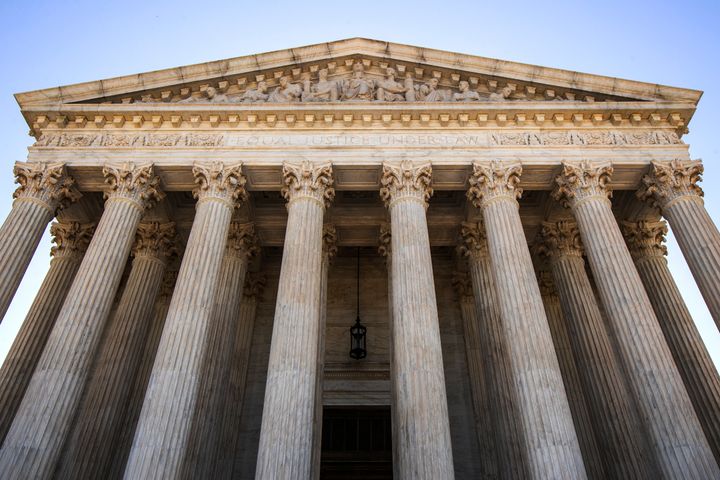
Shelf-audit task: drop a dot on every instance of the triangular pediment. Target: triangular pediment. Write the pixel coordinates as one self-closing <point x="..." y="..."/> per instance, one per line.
<point x="357" y="70"/>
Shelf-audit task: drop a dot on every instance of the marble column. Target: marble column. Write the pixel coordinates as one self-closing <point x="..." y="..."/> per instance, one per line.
<point x="673" y="429"/>
<point x="423" y="436"/>
<point x="71" y="241"/>
<point x="476" y="373"/>
<point x="285" y="449"/>
<point x="135" y="402"/>
<point x="571" y="378"/>
<point x="646" y="243"/>
<point x="505" y="418"/>
<point x="385" y="250"/>
<point x="44" y="189"/>
<point x="612" y="409"/>
<point x="672" y="187"/>
<point x="163" y="429"/>
<point x="239" y="361"/>
<point x="204" y="440"/>
<point x="329" y="251"/>
<point x="90" y="446"/>
<point x="549" y="437"/>
<point x="33" y="444"/>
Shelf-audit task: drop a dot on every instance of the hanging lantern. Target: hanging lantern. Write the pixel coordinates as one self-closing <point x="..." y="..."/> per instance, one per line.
<point x="358" y="331"/>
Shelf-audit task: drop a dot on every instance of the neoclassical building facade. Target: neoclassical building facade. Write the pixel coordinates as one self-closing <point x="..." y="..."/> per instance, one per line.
<point x="498" y="228"/>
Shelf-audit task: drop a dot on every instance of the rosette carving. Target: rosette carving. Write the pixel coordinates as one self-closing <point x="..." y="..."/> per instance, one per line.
<point x="154" y="239"/>
<point x="490" y="181"/>
<point x="242" y="241"/>
<point x="583" y="180"/>
<point x="474" y="240"/>
<point x="135" y="183"/>
<point x="220" y="182"/>
<point x="70" y="238"/>
<point x="405" y="180"/>
<point x="329" y="240"/>
<point x="254" y="285"/>
<point x="645" y="239"/>
<point x="463" y="286"/>
<point x="669" y="181"/>
<point x="46" y="184"/>
<point x="558" y="239"/>
<point x="307" y="180"/>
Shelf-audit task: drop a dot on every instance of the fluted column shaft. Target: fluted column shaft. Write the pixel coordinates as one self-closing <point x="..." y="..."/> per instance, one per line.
<point x="90" y="446"/>
<point x="234" y="397"/>
<point x="505" y="420"/>
<point x="135" y="402"/>
<point x="611" y="405"/>
<point x="645" y="240"/>
<point x="673" y="188"/>
<point x="286" y="435"/>
<point x="674" y="432"/>
<point x="162" y="434"/>
<point x="424" y="447"/>
<point x="476" y="373"/>
<point x="25" y="352"/>
<point x="33" y="444"/>
<point x="204" y="446"/>
<point x="43" y="190"/>
<point x="571" y="379"/>
<point x="551" y="444"/>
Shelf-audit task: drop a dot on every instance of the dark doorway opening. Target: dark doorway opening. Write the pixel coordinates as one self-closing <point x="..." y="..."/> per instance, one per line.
<point x="356" y="443"/>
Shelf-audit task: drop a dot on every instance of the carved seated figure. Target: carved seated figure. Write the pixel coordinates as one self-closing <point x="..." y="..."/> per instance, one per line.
<point x="255" y="95"/>
<point x="465" y="94"/>
<point x="389" y="90"/>
<point x="430" y="92"/>
<point x="286" y="92"/>
<point x="358" y="87"/>
<point x="323" y="91"/>
<point x="502" y="95"/>
<point x="211" y="95"/>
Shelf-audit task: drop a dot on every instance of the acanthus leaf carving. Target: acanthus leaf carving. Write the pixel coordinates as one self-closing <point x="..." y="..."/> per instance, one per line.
<point x="156" y="240"/>
<point x="493" y="180"/>
<point x="645" y="239"/>
<point x="583" y="180"/>
<point x="308" y="180"/>
<point x="136" y="183"/>
<point x="546" y="283"/>
<point x="46" y="184"/>
<point x="559" y="239"/>
<point x="671" y="181"/>
<point x="330" y="240"/>
<point x="474" y="240"/>
<point x="405" y="180"/>
<point x="385" y="242"/>
<point x="254" y="285"/>
<point x="71" y="238"/>
<point x="242" y="240"/>
<point x="463" y="286"/>
<point x="217" y="181"/>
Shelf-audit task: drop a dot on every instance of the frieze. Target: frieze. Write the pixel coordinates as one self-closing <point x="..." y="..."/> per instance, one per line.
<point x="130" y="140"/>
<point x="585" y="138"/>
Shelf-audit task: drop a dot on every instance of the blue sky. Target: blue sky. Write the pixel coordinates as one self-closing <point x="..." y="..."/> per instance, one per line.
<point x="49" y="43"/>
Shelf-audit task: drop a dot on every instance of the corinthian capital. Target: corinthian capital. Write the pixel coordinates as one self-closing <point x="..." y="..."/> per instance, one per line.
<point x="385" y="242"/>
<point x="216" y="181"/>
<point x="70" y="238"/>
<point x="559" y="239"/>
<point x="474" y="240"/>
<point x="645" y="239"/>
<point x="404" y="180"/>
<point x="494" y="180"/>
<point x="242" y="241"/>
<point x="329" y="240"/>
<point x="156" y="240"/>
<point x="307" y="180"/>
<point x="168" y="285"/>
<point x="45" y="184"/>
<point x="671" y="181"/>
<point x="138" y="184"/>
<point x="463" y="286"/>
<point x="546" y="283"/>
<point x="583" y="180"/>
<point x="254" y="285"/>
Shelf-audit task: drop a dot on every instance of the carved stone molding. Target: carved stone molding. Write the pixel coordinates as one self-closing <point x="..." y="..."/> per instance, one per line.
<point x="242" y="240"/>
<point x="329" y="240"/>
<point x="494" y="180"/>
<point x="156" y="240"/>
<point x="138" y="184"/>
<point x="308" y="180"/>
<point x="668" y="182"/>
<point x="581" y="181"/>
<point x="474" y="240"/>
<point x="214" y="180"/>
<point x="385" y="242"/>
<point x="405" y="180"/>
<point x="645" y="239"/>
<point x="463" y="286"/>
<point x="558" y="239"/>
<point x="254" y="285"/>
<point x="70" y="238"/>
<point x="45" y="184"/>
